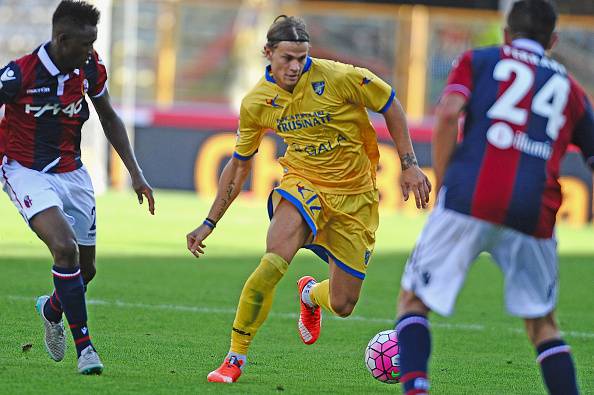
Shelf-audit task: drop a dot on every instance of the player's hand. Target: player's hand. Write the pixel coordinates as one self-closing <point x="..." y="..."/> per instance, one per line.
<point x="195" y="239"/>
<point x="415" y="181"/>
<point x="142" y="188"/>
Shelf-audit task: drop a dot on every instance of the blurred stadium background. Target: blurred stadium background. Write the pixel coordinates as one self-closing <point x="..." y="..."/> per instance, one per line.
<point x="179" y="68"/>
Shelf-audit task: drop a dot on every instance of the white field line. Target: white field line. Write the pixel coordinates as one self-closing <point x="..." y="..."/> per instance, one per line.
<point x="293" y="316"/>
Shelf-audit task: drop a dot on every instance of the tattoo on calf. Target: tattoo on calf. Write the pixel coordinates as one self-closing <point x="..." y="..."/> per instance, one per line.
<point x="408" y="160"/>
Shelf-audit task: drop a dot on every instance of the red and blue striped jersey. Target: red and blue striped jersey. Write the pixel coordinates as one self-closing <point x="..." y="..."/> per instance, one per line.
<point x="523" y="110"/>
<point x="45" y="110"/>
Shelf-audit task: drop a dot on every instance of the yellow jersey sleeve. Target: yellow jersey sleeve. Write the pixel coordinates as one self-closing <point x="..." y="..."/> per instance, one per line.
<point x="249" y="134"/>
<point x="361" y="86"/>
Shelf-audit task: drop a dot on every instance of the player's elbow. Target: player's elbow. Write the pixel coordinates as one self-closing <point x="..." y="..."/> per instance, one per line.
<point x="449" y="108"/>
<point x="447" y="113"/>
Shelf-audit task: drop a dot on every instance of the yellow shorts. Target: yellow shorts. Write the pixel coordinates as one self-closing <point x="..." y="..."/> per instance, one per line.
<point x="343" y="226"/>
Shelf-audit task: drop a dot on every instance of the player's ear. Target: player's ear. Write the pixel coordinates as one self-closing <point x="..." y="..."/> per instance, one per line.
<point x="61" y="38"/>
<point x="553" y="41"/>
<point x="267" y="53"/>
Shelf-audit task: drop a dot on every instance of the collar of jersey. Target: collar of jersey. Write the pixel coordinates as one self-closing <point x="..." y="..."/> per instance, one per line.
<point x="270" y="78"/>
<point x="528" y="45"/>
<point x="48" y="63"/>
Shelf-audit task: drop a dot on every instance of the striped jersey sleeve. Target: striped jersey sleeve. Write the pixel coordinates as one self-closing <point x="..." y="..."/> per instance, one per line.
<point x="460" y="78"/>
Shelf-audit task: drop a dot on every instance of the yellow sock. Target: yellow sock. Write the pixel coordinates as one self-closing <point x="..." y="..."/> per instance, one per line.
<point x="320" y="295"/>
<point x="255" y="301"/>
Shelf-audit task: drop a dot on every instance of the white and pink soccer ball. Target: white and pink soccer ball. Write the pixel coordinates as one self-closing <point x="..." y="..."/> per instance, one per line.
<point x="382" y="357"/>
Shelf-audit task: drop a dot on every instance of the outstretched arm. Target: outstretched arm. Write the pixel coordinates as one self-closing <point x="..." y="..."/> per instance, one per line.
<point x="114" y="130"/>
<point x="232" y="179"/>
<point x="445" y="134"/>
<point x="412" y="178"/>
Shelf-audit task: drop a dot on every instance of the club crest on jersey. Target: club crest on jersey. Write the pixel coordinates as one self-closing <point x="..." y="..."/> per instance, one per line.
<point x="272" y="102"/>
<point x="28" y="202"/>
<point x="318" y="87"/>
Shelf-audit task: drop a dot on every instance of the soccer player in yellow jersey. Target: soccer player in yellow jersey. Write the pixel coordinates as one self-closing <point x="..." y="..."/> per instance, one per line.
<point x="327" y="200"/>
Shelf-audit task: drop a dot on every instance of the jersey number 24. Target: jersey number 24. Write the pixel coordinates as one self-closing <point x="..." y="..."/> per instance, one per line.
<point x="549" y="102"/>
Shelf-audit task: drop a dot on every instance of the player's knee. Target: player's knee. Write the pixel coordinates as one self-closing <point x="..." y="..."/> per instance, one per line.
<point x="65" y="252"/>
<point x="542" y="329"/>
<point x="408" y="302"/>
<point x="343" y="307"/>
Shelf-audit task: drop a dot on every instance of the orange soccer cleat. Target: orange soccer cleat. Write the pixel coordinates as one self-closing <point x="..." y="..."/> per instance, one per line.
<point x="310" y="318"/>
<point x="228" y="372"/>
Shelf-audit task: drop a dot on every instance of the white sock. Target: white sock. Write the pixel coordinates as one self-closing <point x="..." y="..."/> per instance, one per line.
<point x="305" y="294"/>
<point x="241" y="357"/>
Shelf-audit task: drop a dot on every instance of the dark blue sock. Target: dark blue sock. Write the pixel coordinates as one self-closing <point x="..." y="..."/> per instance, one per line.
<point x="71" y="292"/>
<point x="52" y="310"/>
<point x="414" y="341"/>
<point x="557" y="368"/>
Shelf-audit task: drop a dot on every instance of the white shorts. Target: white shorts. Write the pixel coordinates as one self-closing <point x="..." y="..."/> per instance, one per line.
<point x="32" y="191"/>
<point x="450" y="242"/>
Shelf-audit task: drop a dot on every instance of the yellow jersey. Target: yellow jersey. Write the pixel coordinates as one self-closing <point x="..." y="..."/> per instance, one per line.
<point x="324" y="122"/>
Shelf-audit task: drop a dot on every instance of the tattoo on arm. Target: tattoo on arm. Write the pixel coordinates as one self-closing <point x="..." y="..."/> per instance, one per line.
<point x="226" y="201"/>
<point x="408" y="160"/>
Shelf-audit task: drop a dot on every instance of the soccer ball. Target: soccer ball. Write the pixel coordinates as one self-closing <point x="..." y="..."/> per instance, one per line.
<point x="382" y="357"/>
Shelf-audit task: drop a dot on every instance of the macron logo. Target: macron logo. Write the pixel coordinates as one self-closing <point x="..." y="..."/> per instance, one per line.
<point x="84" y="330"/>
<point x="8" y="75"/>
<point x="36" y="91"/>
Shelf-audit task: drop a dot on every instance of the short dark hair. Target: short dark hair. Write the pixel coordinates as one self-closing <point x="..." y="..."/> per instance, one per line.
<point x="534" y="19"/>
<point x="77" y="13"/>
<point x="286" y="28"/>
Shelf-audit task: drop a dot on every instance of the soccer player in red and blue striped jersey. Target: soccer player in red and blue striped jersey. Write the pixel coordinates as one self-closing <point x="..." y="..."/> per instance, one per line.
<point x="42" y="171"/>
<point x="499" y="191"/>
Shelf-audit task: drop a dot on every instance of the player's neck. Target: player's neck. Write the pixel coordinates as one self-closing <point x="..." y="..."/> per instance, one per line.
<point x="289" y="89"/>
<point x="51" y="51"/>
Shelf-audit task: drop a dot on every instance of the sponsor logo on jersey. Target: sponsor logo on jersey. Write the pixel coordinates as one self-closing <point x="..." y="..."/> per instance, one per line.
<point x="37" y="91"/>
<point x="319" y="148"/>
<point x="69" y="110"/>
<point x="272" y="102"/>
<point x="294" y="122"/>
<point x="502" y="136"/>
<point x="318" y="87"/>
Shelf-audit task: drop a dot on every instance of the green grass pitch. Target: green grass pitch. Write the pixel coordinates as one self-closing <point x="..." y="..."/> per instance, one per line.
<point x="161" y="319"/>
